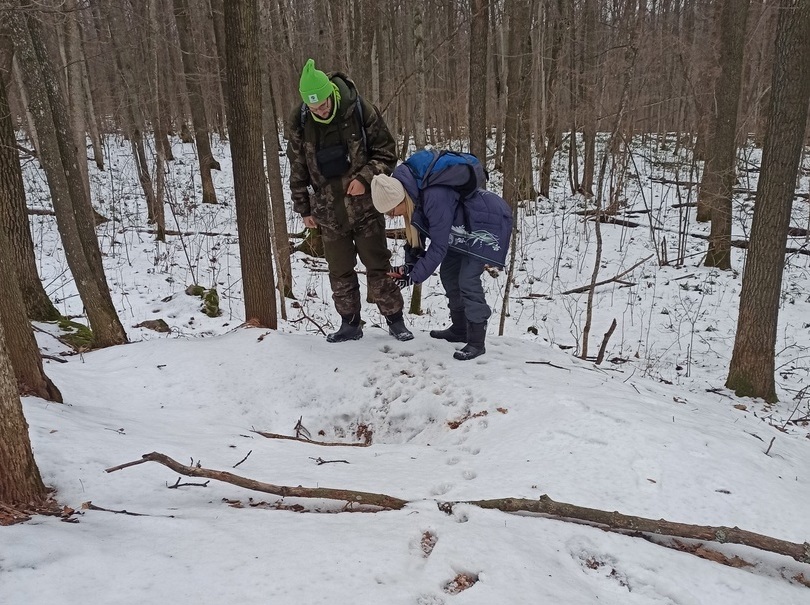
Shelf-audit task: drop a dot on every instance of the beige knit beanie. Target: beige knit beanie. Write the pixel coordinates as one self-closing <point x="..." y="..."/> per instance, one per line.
<point x="386" y="193"/>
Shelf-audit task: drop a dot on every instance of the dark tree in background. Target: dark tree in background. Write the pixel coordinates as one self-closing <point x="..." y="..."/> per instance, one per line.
<point x="720" y="169"/>
<point x="479" y="28"/>
<point x="751" y="372"/>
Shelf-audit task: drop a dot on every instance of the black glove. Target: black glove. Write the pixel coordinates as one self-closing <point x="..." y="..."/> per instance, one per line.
<point x="404" y="280"/>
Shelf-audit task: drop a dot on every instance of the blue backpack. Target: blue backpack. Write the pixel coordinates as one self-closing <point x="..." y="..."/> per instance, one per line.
<point x="459" y="171"/>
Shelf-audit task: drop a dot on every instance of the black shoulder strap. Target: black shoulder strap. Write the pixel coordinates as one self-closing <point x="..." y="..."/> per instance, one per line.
<point x="358" y="112"/>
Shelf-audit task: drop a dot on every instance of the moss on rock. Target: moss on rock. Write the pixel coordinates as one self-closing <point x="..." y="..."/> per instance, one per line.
<point x="210" y="304"/>
<point x="77" y="335"/>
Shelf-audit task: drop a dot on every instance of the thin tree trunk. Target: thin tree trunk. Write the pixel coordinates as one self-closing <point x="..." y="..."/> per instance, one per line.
<point x="479" y="28"/>
<point x="720" y="171"/>
<point x="420" y="117"/>
<point x="272" y="150"/>
<point x="519" y="13"/>
<point x="158" y="127"/>
<point x="195" y="98"/>
<point x="90" y="106"/>
<point x="589" y="91"/>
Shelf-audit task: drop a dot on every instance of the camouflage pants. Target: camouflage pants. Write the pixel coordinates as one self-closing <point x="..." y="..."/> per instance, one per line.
<point x="366" y="240"/>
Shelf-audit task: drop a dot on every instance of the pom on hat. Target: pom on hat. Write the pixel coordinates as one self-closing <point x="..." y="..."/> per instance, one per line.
<point x="314" y="86"/>
<point x="386" y="193"/>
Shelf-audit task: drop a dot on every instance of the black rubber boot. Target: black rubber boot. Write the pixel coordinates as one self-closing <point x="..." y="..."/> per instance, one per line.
<point x="397" y="327"/>
<point x="476" y="334"/>
<point x="350" y="329"/>
<point x="457" y="332"/>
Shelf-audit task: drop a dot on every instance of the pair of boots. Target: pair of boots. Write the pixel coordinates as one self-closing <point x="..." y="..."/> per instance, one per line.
<point x="461" y="330"/>
<point x="351" y="328"/>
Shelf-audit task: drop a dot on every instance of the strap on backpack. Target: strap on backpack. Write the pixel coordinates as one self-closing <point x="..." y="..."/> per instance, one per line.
<point x="358" y="112"/>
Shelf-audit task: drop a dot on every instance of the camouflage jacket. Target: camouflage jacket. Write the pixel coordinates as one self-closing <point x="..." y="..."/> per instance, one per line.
<point x="375" y="154"/>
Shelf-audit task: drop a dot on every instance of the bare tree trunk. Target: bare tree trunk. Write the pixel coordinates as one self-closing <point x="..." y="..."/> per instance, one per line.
<point x="74" y="86"/>
<point x="13" y="217"/>
<point x="751" y="372"/>
<point x="551" y="119"/>
<point x="479" y="28"/>
<point x="90" y="106"/>
<point x="158" y="212"/>
<point x="519" y="13"/>
<point x="720" y="171"/>
<point x="20" y="481"/>
<point x="497" y="78"/>
<point x="70" y="200"/>
<point x="32" y="129"/>
<point x="589" y="91"/>
<point x="245" y="125"/>
<point x="272" y="150"/>
<point x="420" y="117"/>
<point x="195" y="97"/>
<point x="218" y="17"/>
<point x="20" y="342"/>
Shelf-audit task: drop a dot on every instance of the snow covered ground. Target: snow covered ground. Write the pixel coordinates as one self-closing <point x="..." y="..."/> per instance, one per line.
<point x="650" y="432"/>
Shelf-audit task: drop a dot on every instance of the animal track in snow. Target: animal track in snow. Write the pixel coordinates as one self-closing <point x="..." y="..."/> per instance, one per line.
<point x="441" y="489"/>
<point x="469" y="475"/>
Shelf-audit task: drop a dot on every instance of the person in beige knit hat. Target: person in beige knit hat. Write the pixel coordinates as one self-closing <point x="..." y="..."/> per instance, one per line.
<point x="465" y="236"/>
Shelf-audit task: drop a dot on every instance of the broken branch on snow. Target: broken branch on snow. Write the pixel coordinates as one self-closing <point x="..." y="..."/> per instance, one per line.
<point x="544" y="505"/>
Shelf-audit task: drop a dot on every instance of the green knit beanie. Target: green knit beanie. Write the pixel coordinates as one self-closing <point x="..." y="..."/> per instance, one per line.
<point x="315" y="86"/>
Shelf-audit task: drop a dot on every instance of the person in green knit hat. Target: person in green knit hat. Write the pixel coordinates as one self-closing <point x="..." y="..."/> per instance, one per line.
<point x="336" y="143"/>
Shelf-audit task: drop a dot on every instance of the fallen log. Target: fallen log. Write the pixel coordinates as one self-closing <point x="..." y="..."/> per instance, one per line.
<point x="544" y="505"/>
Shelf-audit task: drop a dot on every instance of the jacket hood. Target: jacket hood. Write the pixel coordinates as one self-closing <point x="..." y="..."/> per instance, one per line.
<point x="404" y="175"/>
<point x="347" y="90"/>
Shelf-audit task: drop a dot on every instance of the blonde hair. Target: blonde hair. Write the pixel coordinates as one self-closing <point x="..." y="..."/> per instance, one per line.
<point x="411" y="234"/>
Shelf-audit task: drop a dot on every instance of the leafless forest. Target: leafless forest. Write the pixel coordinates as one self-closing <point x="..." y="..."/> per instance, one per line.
<point x="520" y="83"/>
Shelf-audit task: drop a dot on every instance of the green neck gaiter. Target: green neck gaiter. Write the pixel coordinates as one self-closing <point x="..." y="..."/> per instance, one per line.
<point x="335" y="105"/>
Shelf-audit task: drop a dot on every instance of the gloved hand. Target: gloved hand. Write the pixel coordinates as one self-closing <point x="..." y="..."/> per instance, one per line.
<point x="401" y="276"/>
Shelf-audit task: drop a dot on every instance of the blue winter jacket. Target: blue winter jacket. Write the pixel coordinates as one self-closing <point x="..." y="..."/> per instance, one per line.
<point x="480" y="226"/>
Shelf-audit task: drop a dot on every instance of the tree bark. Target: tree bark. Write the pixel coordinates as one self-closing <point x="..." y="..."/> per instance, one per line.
<point x="479" y="28"/>
<point x="272" y="151"/>
<point x="519" y="13"/>
<point x="420" y="113"/>
<point x="20" y="481"/>
<point x="195" y="98"/>
<point x="720" y="170"/>
<point x="250" y="190"/>
<point x="70" y="200"/>
<point x="751" y="372"/>
<point x="13" y="216"/>
<point x="589" y="92"/>
<point x="20" y="342"/>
